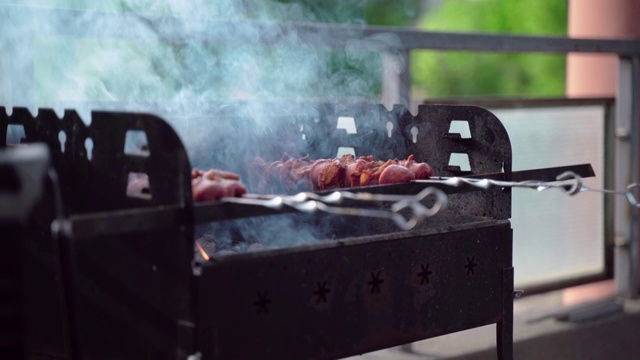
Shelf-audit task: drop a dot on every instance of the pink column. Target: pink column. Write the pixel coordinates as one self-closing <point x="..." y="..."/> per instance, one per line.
<point x="595" y="75"/>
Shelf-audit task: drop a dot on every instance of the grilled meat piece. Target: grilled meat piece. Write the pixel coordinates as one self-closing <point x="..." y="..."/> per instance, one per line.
<point x="327" y="174"/>
<point x="394" y="174"/>
<point x="294" y="174"/>
<point x="324" y="174"/>
<point x="213" y="174"/>
<point x="207" y="185"/>
<point x="138" y="185"/>
<point x="208" y="189"/>
<point x="420" y="170"/>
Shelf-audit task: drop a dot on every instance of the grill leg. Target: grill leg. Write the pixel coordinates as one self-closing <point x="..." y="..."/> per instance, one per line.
<point x="505" y="340"/>
<point x="504" y="328"/>
<point x="12" y="330"/>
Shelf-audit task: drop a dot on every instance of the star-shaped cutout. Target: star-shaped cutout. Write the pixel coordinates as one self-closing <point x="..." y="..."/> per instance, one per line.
<point x="375" y="282"/>
<point x="321" y="292"/>
<point x="471" y="264"/>
<point x="424" y="274"/>
<point x="263" y="302"/>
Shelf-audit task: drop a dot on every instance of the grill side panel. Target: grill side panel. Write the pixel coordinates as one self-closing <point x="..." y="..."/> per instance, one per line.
<point x="134" y="289"/>
<point x="347" y="300"/>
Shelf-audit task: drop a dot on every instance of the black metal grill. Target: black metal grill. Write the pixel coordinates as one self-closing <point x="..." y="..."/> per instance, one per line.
<point x="136" y="292"/>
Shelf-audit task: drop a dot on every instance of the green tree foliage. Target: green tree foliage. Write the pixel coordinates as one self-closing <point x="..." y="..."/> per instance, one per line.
<point x="392" y="13"/>
<point x="448" y="74"/>
<point x="370" y="12"/>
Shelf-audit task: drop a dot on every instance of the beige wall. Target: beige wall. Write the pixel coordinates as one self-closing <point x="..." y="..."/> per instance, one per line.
<point x="595" y="75"/>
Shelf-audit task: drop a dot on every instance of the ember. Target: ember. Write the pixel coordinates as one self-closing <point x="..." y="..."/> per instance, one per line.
<point x="202" y="252"/>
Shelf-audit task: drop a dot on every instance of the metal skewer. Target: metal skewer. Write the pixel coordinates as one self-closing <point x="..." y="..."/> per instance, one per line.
<point x="405" y="210"/>
<point x="310" y="202"/>
<point x="568" y="181"/>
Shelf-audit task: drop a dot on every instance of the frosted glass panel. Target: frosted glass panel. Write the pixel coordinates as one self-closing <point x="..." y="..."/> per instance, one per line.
<point x="556" y="236"/>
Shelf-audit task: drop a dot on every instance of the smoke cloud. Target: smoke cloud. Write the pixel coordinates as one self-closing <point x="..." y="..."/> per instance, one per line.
<point x="232" y="77"/>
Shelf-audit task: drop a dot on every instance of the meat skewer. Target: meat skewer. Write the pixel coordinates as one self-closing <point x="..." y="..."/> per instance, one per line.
<point x="295" y="175"/>
<point x="207" y="185"/>
<point x="347" y="171"/>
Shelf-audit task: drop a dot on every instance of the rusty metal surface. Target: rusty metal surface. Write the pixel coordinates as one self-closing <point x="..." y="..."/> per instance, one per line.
<point x="139" y="286"/>
<point x="98" y="182"/>
<point x="134" y="286"/>
<point x="354" y="297"/>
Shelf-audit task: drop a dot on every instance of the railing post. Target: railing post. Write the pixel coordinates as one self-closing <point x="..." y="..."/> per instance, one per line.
<point x="626" y="172"/>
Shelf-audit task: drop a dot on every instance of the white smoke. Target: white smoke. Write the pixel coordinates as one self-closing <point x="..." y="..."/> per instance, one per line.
<point x="173" y="53"/>
<point x="184" y="60"/>
<point x="187" y="61"/>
